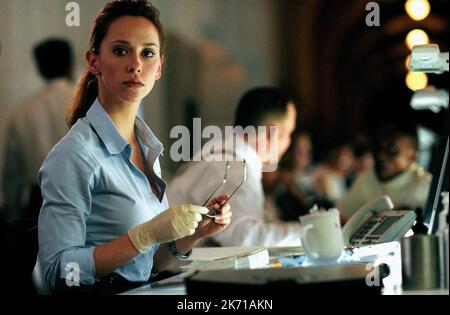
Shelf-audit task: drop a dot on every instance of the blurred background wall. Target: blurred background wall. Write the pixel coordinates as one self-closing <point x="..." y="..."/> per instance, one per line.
<point x="351" y="77"/>
<point x="215" y="51"/>
<point x="346" y="75"/>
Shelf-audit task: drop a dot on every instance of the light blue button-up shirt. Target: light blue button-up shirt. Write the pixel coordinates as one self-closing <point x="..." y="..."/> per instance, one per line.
<point x="92" y="194"/>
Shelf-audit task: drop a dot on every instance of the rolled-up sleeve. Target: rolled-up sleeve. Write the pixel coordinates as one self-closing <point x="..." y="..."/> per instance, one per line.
<point x="67" y="181"/>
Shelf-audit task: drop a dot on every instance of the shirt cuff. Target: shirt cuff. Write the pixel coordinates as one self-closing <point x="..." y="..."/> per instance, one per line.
<point x="77" y="266"/>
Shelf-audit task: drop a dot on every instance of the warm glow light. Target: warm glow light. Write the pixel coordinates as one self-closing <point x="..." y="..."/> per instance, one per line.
<point x="416" y="80"/>
<point x="416" y="37"/>
<point x="417" y="9"/>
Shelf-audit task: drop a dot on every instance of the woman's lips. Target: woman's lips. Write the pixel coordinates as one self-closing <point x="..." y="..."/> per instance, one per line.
<point x="133" y="84"/>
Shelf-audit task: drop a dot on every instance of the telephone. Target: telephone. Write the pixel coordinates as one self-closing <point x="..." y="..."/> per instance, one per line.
<point x="376" y="223"/>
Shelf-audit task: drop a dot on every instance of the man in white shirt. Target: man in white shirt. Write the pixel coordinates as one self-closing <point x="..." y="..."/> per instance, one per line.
<point x="250" y="225"/>
<point x="33" y="127"/>
<point x="395" y="174"/>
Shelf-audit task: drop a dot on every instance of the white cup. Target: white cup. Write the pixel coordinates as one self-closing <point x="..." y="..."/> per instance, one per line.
<point x="321" y="235"/>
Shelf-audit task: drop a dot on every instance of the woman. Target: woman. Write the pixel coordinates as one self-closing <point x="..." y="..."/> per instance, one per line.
<point x="105" y="210"/>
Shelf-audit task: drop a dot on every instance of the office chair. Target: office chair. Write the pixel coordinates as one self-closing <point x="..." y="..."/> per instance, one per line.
<point x="18" y="240"/>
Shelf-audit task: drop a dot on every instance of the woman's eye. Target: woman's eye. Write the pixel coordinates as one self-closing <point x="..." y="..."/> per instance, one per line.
<point x="148" y="53"/>
<point x="119" y="51"/>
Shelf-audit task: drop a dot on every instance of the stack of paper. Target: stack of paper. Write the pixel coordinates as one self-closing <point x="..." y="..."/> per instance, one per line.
<point x="289" y="251"/>
<point x="250" y="259"/>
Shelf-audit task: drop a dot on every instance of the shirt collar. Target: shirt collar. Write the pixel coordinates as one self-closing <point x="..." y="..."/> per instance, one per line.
<point x="402" y="179"/>
<point x="147" y="137"/>
<point x="108" y="133"/>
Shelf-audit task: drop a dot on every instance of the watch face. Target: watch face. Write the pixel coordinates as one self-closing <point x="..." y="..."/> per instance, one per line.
<point x="174" y="251"/>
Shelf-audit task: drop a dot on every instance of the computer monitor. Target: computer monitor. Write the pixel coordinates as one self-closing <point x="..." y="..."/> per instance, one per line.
<point x="439" y="168"/>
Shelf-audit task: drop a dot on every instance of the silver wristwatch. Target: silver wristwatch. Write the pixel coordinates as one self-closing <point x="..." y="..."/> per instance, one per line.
<point x="174" y="251"/>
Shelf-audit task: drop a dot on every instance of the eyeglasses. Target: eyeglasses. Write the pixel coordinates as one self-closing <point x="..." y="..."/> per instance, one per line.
<point x="227" y="168"/>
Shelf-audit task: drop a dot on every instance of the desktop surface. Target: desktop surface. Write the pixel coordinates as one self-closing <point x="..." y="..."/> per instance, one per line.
<point x="171" y="286"/>
<point x="293" y="272"/>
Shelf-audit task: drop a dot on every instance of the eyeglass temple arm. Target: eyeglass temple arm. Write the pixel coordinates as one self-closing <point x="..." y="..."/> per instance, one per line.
<point x="244" y="178"/>
<point x="212" y="216"/>
<point x="220" y="185"/>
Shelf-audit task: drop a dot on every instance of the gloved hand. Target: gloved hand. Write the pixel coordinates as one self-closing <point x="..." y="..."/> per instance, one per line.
<point x="172" y="224"/>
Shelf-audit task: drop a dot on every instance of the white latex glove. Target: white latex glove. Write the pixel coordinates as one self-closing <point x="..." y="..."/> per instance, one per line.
<point x="172" y="224"/>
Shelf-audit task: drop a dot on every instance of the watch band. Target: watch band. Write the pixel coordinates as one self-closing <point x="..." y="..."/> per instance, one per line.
<point x="174" y="251"/>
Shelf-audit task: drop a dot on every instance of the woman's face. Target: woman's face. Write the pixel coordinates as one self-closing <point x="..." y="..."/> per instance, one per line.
<point x="129" y="61"/>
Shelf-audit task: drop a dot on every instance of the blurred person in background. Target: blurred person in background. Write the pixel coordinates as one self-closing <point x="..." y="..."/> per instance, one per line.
<point x="301" y="158"/>
<point x="291" y="188"/>
<point x="302" y="154"/>
<point x="395" y="173"/>
<point x="363" y="156"/>
<point x="33" y="127"/>
<point x="331" y="177"/>
<point x="254" y="221"/>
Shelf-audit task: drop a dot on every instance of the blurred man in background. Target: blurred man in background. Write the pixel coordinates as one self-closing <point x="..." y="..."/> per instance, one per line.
<point x="252" y="223"/>
<point x="33" y="127"/>
<point x="395" y="173"/>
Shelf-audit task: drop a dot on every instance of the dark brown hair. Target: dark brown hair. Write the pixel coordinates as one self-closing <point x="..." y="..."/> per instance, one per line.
<point x="259" y="103"/>
<point x="87" y="88"/>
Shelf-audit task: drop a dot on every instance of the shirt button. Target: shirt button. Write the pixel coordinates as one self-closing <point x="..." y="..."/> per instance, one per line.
<point x="146" y="273"/>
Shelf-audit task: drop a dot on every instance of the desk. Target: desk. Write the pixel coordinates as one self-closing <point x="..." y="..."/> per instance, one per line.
<point x="382" y="253"/>
<point x="423" y="292"/>
<point x="170" y="286"/>
<point x="175" y="285"/>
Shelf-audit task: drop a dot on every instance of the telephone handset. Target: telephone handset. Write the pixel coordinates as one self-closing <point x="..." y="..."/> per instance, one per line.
<point x="376" y="223"/>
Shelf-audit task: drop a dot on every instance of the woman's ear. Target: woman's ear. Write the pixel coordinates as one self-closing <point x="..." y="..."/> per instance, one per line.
<point x="160" y="68"/>
<point x="92" y="59"/>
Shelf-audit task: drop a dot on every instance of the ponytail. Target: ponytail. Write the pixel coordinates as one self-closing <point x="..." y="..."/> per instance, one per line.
<point x="85" y="94"/>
